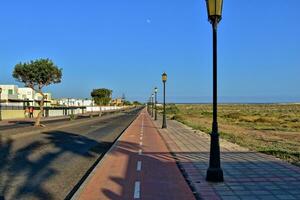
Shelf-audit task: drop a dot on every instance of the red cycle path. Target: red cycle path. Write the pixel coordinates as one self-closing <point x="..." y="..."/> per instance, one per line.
<point x="138" y="167"/>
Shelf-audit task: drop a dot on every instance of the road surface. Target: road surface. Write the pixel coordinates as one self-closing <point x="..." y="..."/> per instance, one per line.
<point x="14" y="124"/>
<point x="49" y="165"/>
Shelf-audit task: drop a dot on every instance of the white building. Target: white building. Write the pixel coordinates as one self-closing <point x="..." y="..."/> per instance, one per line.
<point x="12" y="95"/>
<point x="9" y="92"/>
<point x="26" y="94"/>
<point x="75" y="102"/>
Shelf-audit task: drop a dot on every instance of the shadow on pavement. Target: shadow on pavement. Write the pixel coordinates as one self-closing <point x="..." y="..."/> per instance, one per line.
<point x="246" y="175"/>
<point x="23" y="172"/>
<point x="159" y="174"/>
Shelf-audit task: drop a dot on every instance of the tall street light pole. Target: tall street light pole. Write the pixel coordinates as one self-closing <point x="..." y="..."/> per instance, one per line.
<point x="0" y="104"/>
<point x="164" y="80"/>
<point x="155" y="103"/>
<point x="214" y="172"/>
<point x="148" y="105"/>
<point x="152" y="105"/>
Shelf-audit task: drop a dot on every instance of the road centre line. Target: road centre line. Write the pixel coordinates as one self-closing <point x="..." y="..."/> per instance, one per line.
<point x="139" y="166"/>
<point x="137" y="190"/>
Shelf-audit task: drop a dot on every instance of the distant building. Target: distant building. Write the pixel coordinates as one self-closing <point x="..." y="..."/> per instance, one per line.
<point x="75" y="102"/>
<point x="117" y="101"/>
<point x="9" y="92"/>
<point x="26" y="93"/>
<point x="12" y="95"/>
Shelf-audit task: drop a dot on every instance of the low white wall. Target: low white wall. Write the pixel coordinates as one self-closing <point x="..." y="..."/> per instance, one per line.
<point x="103" y="108"/>
<point x="53" y="113"/>
<point x="18" y="113"/>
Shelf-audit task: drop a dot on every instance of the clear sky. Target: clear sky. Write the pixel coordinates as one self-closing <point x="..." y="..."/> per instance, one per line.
<point x="125" y="45"/>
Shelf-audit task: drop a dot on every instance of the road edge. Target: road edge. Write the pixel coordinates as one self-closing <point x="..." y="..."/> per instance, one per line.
<point x="78" y="188"/>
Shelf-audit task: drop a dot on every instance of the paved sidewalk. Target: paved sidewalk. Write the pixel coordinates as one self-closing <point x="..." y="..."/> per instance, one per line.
<point x="139" y="166"/>
<point x="248" y="175"/>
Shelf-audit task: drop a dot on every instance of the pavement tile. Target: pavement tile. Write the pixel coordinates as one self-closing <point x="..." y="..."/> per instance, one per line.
<point x="247" y="174"/>
<point x="229" y="197"/>
<point x="266" y="197"/>
<point x="248" y="197"/>
<point x="285" y="197"/>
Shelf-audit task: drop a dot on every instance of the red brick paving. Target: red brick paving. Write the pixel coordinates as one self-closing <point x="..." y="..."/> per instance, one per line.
<point x="115" y="177"/>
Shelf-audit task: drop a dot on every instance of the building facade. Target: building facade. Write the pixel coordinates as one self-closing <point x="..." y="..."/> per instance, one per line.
<point x="12" y="95"/>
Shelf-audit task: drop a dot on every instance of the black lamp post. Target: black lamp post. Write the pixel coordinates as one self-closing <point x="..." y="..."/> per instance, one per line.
<point x="152" y="105"/>
<point x="164" y="80"/>
<point x="214" y="172"/>
<point x="0" y="105"/>
<point x="149" y="104"/>
<point x="155" y="103"/>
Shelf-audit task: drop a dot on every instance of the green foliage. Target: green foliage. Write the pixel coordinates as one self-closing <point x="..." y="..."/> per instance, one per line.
<point x="171" y="109"/>
<point x="127" y="103"/>
<point x="137" y="103"/>
<point x="72" y="117"/>
<point x="37" y="74"/>
<point x="101" y="96"/>
<point x="267" y="128"/>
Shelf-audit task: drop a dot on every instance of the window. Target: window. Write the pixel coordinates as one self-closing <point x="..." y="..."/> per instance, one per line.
<point x="10" y="91"/>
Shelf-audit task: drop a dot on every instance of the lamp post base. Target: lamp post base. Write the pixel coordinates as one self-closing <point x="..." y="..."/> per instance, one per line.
<point x="214" y="175"/>
<point x="164" y="123"/>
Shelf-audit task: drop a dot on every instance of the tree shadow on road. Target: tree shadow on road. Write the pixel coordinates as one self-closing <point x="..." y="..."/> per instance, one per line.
<point x="26" y="169"/>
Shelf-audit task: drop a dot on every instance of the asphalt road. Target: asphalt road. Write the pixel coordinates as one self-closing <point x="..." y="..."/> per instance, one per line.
<point x="49" y="165"/>
<point x="22" y="124"/>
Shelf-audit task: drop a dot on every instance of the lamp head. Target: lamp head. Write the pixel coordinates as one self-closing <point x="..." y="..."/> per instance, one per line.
<point x="164" y="77"/>
<point x="214" y="10"/>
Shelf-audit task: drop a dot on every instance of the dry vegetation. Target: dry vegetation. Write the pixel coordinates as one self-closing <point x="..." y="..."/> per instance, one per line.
<point x="268" y="128"/>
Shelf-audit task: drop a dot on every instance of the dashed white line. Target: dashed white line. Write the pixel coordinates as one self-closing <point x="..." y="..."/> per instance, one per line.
<point x="139" y="166"/>
<point x="141" y="143"/>
<point x="140" y="152"/>
<point x="137" y="190"/>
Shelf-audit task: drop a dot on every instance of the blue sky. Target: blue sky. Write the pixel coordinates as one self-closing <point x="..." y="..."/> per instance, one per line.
<point x="125" y="45"/>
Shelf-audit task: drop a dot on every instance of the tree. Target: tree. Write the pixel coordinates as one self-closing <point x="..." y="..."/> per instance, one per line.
<point x="127" y="103"/>
<point x="36" y="75"/>
<point x="101" y="96"/>
<point x="136" y="103"/>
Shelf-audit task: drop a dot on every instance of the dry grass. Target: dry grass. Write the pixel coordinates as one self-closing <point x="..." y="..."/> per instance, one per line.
<point x="269" y="128"/>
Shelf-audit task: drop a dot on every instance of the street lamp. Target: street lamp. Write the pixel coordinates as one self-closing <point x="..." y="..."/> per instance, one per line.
<point x="214" y="171"/>
<point x="148" y="106"/>
<point x="152" y="104"/>
<point x="155" y="103"/>
<point x="164" y="80"/>
<point x="0" y="105"/>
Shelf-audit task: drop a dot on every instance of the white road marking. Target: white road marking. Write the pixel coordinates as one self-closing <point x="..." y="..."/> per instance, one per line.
<point x="137" y="190"/>
<point x="139" y="166"/>
<point x="141" y="143"/>
<point x="141" y="138"/>
<point x="140" y="152"/>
